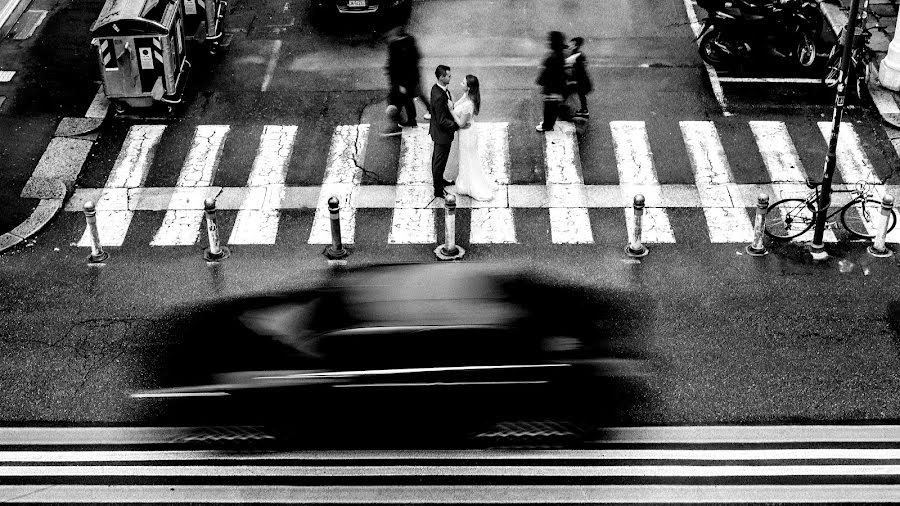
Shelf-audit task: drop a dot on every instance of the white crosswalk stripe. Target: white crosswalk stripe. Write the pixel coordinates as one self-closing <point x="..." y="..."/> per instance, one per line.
<point x="637" y="175"/>
<point x="129" y="171"/>
<point x="725" y="222"/>
<point x="260" y="225"/>
<point x="343" y="175"/>
<point x="783" y="163"/>
<point x="413" y="221"/>
<point x="181" y="227"/>
<point x="415" y="213"/>
<point x="492" y="222"/>
<point x="569" y="219"/>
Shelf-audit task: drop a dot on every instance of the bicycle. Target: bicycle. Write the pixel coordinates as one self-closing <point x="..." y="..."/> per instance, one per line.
<point x="860" y="56"/>
<point x="788" y="218"/>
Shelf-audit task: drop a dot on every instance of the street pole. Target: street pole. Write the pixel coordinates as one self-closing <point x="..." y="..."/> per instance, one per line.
<point x="817" y="249"/>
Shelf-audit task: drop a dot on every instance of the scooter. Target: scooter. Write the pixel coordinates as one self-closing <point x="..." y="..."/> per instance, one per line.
<point x="740" y="30"/>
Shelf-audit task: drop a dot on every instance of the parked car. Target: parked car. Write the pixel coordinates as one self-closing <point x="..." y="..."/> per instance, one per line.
<point x="430" y="344"/>
<point x="360" y="7"/>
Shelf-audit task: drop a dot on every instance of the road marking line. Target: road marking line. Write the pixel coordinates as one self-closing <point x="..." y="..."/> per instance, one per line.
<point x="273" y="63"/>
<point x="347" y="471"/>
<point x="447" y="494"/>
<point x="634" y="161"/>
<point x="569" y="219"/>
<point x="781" y="160"/>
<point x="181" y="227"/>
<point x="129" y="171"/>
<point x="491" y="224"/>
<point x="852" y="161"/>
<point x="726" y="223"/>
<point x="710" y="71"/>
<point x="770" y="80"/>
<point x="260" y="226"/>
<point x="854" y="165"/>
<point x="343" y="175"/>
<point x="412" y="221"/>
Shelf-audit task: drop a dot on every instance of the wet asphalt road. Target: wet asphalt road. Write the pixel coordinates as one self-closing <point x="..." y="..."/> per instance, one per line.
<point x="729" y="338"/>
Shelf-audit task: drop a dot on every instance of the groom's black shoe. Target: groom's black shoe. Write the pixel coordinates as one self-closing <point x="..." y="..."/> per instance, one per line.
<point x="449" y="183"/>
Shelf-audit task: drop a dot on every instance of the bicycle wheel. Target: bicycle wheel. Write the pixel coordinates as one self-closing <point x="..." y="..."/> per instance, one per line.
<point x="789" y="218"/>
<point x="833" y="67"/>
<point x="864" y="220"/>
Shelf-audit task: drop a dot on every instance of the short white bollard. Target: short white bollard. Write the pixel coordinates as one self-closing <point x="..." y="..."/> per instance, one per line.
<point x="449" y="251"/>
<point x="879" y="247"/>
<point x="336" y="250"/>
<point x="90" y="215"/>
<point x="214" y="252"/>
<point x="635" y="248"/>
<point x="758" y="248"/>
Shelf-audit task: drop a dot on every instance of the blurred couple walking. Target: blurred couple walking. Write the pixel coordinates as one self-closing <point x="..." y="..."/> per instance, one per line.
<point x="445" y="118"/>
<point x="564" y="81"/>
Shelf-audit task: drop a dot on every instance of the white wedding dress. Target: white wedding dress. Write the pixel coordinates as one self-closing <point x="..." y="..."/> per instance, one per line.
<point x="471" y="180"/>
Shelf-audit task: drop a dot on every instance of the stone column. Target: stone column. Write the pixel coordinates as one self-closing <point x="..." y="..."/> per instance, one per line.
<point x="889" y="70"/>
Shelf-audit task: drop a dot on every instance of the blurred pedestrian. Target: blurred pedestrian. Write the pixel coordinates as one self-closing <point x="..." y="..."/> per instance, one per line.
<point x="552" y="80"/>
<point x="579" y="81"/>
<point x="404" y="78"/>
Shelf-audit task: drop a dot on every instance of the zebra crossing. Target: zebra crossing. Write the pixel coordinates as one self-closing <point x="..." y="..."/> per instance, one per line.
<point x="725" y="203"/>
<point x="661" y="465"/>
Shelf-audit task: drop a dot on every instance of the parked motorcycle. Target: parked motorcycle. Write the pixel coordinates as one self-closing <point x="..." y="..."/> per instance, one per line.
<point x="738" y="30"/>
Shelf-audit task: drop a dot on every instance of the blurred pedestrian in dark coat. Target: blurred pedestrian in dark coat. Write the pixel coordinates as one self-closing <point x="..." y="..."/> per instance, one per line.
<point x="552" y="80"/>
<point x="579" y="82"/>
<point x="404" y="77"/>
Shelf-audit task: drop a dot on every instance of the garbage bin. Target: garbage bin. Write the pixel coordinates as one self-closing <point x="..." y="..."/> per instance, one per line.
<point x="204" y="21"/>
<point x="141" y="50"/>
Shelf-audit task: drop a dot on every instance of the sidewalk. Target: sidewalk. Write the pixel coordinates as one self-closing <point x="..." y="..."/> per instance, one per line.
<point x="883" y="18"/>
<point x="48" y="75"/>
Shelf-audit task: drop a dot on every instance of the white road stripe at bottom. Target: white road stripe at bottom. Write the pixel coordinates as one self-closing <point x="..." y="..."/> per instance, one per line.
<point x="451" y="494"/>
<point x="591" y="471"/>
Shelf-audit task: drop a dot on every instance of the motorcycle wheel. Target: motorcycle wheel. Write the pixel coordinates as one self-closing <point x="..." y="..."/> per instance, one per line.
<point x="833" y="67"/>
<point x="806" y="51"/>
<point x="710" y="47"/>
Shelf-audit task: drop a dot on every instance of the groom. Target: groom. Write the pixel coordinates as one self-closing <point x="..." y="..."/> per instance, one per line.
<point x="442" y="128"/>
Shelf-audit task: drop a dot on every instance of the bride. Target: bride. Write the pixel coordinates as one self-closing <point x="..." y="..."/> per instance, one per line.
<point x="471" y="180"/>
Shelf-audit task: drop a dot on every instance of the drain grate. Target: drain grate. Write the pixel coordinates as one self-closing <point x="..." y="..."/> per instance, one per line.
<point x="28" y="23"/>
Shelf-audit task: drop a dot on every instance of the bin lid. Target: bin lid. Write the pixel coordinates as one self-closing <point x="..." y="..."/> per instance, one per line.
<point x="121" y="18"/>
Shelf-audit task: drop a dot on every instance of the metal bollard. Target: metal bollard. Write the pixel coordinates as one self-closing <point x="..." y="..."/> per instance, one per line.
<point x="214" y="252"/>
<point x="450" y="251"/>
<point x="90" y="215"/>
<point x="635" y="248"/>
<point x="336" y="250"/>
<point x="879" y="247"/>
<point x="758" y="248"/>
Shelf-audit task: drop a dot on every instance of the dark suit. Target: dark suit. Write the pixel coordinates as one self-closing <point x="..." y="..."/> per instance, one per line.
<point x="442" y="129"/>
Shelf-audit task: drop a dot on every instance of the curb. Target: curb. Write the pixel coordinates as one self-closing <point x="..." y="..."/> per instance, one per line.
<point x="53" y="180"/>
<point x="882" y="97"/>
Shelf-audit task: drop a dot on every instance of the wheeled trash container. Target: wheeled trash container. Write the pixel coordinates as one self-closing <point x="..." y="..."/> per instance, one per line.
<point x="204" y="21"/>
<point x="141" y="50"/>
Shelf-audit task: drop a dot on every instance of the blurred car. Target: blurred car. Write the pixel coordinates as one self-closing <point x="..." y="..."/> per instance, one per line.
<point x="438" y="343"/>
<point x="352" y="7"/>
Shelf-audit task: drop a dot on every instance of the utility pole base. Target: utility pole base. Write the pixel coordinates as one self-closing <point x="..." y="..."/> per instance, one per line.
<point x="818" y="253"/>
<point x="442" y="253"/>
<point x="221" y="255"/>
<point x="636" y="253"/>
<point x="885" y="253"/>
<point x="98" y="258"/>
<point x="334" y="254"/>
<point x="757" y="252"/>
